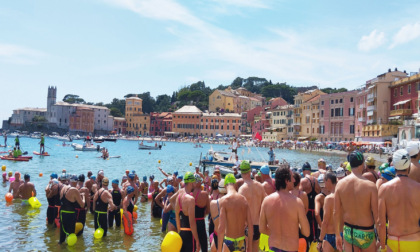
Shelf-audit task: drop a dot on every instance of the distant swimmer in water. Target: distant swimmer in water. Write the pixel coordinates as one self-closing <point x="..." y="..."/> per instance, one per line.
<point x="27" y="189"/>
<point x="14" y="186"/>
<point x="42" y="144"/>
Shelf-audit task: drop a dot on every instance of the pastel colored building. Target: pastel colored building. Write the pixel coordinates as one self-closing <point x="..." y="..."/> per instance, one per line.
<point x="24" y="115"/>
<point x="361" y="115"/>
<point x="120" y="125"/>
<point x="378" y="106"/>
<point x="186" y="121"/>
<point x="225" y="124"/>
<point x="160" y="123"/>
<point x="281" y="126"/>
<point x="134" y="116"/>
<point x="234" y="100"/>
<point x="82" y="121"/>
<point x="337" y="116"/>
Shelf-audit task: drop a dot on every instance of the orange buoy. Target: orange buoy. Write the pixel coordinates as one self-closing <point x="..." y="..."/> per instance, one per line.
<point x="9" y="197"/>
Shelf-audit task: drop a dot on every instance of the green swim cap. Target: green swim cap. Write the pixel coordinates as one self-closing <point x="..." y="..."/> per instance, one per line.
<point x="383" y="167"/>
<point x="348" y="167"/>
<point x="230" y="179"/>
<point x="245" y="167"/>
<point x="189" y="178"/>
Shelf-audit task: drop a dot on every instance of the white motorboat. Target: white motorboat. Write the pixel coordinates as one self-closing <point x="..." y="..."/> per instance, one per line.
<point x="80" y="147"/>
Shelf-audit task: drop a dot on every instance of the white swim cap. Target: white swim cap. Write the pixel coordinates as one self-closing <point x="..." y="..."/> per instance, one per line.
<point x="413" y="148"/>
<point x="401" y="160"/>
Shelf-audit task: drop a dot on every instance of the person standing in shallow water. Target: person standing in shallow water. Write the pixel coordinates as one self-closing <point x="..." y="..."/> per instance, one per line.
<point x="282" y="214"/>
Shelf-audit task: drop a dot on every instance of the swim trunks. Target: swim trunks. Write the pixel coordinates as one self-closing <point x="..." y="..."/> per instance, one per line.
<point x="257" y="233"/>
<point x="330" y="238"/>
<point x="237" y="244"/>
<point x="403" y="245"/>
<point x="356" y="235"/>
<point x="273" y="249"/>
<point x="25" y="202"/>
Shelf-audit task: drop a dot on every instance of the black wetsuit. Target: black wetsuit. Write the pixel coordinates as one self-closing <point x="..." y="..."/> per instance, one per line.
<point x="91" y="201"/>
<point x="57" y="201"/>
<point x="201" y="225"/>
<point x="116" y="214"/>
<point x="156" y="210"/>
<point x="188" y="242"/>
<point x="311" y="214"/>
<point x="101" y="213"/>
<point x="52" y="210"/>
<point x="67" y="217"/>
<point x="81" y="217"/>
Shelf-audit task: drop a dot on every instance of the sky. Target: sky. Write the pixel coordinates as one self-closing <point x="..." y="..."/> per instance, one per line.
<point x="105" y="49"/>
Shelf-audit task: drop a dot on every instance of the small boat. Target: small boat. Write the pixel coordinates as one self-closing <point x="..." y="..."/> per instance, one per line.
<point x="41" y="154"/>
<point x="27" y="157"/>
<point x="80" y="147"/>
<point x="14" y="159"/>
<point x="148" y="147"/>
<point x="110" y="157"/>
<point x="110" y="139"/>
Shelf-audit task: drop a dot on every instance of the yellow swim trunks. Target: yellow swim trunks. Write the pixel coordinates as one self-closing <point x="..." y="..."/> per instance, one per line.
<point x="404" y="246"/>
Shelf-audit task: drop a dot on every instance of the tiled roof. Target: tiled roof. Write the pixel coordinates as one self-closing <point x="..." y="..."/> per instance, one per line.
<point x="189" y="109"/>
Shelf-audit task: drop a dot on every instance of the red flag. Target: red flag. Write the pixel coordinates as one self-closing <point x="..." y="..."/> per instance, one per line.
<point x="258" y="136"/>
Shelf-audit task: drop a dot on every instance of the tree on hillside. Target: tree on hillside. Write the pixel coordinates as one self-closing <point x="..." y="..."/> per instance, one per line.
<point x="237" y="83"/>
<point x="221" y="87"/>
<point x="116" y="112"/>
<point x="333" y="90"/>
<point x="279" y="90"/>
<point x="163" y="103"/>
<point x="173" y="98"/>
<point x="148" y="102"/>
<point x="71" y="98"/>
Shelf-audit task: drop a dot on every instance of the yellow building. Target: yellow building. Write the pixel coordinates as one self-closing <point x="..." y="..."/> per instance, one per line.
<point x="221" y="99"/>
<point x="306" y="114"/>
<point x="137" y="122"/>
<point x="281" y="124"/>
<point x="234" y="100"/>
<point x="225" y="124"/>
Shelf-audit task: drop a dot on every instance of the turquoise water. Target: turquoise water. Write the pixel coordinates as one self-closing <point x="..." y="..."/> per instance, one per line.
<point x="23" y="228"/>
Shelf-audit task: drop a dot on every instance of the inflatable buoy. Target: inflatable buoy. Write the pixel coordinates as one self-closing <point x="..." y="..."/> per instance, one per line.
<point x="149" y="196"/>
<point x="3" y="167"/>
<point x="158" y="162"/>
<point x="79" y="227"/>
<point x="264" y="242"/>
<point x="40" y="174"/>
<point x="171" y="242"/>
<point x="98" y="233"/>
<point x="121" y="214"/>
<point x="34" y="202"/>
<point x="190" y="164"/>
<point x="77" y="156"/>
<point x="161" y="222"/>
<point x="9" y="197"/>
<point x="302" y="245"/>
<point x="71" y="239"/>
<point x="11" y="179"/>
<point x="135" y="215"/>
<point x="128" y="230"/>
<point x="135" y="208"/>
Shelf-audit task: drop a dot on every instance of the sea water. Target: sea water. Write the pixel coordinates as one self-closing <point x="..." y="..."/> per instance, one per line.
<point x="23" y="228"/>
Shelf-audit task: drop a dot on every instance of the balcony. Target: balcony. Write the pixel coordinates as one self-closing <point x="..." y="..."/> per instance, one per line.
<point x="361" y="119"/>
<point x="296" y="123"/>
<point x="372" y="107"/>
<point x="371" y="97"/>
<point x="297" y="114"/>
<point x="371" y="121"/>
<point x="401" y="112"/>
<point x="361" y="106"/>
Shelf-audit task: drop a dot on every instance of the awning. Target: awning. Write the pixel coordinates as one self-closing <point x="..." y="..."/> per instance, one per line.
<point x="302" y="138"/>
<point x="402" y="102"/>
<point x="394" y="117"/>
<point x="370" y="113"/>
<point x="371" y="87"/>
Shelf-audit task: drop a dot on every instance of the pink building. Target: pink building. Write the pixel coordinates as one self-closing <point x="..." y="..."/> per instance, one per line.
<point x="337" y="114"/>
<point x="361" y="117"/>
<point x="160" y="123"/>
<point x="404" y="97"/>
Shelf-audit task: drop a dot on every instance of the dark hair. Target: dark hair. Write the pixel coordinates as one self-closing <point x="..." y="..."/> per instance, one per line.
<point x="414" y="156"/>
<point x="331" y="176"/>
<point x="390" y="159"/>
<point x="282" y="176"/>
<point x="297" y="179"/>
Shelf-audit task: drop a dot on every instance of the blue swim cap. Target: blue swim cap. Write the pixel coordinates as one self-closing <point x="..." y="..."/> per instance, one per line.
<point x="115" y="181"/>
<point x="180" y="177"/>
<point x="130" y="189"/>
<point x="388" y="173"/>
<point x="131" y="175"/>
<point x="169" y="189"/>
<point x="152" y="177"/>
<point x="93" y="177"/>
<point x="265" y="170"/>
<point x="54" y="175"/>
<point x="176" y="173"/>
<point x="144" y="178"/>
<point x="133" y="171"/>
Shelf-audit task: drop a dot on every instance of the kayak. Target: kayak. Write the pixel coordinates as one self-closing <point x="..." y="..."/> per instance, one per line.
<point x="41" y="154"/>
<point x="14" y="159"/>
<point x="110" y="157"/>
<point x="26" y="157"/>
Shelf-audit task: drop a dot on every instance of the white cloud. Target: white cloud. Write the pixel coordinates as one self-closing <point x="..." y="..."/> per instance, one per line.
<point x="372" y="41"/>
<point x="244" y="3"/>
<point x="406" y="34"/>
<point x="18" y="54"/>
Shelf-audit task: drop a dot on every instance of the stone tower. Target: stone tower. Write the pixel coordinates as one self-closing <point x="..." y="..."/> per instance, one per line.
<point x="51" y="100"/>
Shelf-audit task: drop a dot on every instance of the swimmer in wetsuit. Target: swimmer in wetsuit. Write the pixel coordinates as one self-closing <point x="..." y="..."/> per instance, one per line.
<point x="117" y="199"/>
<point x="101" y="200"/>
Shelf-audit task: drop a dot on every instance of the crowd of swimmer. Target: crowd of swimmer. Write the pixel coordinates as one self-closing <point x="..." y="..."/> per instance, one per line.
<point x="354" y="208"/>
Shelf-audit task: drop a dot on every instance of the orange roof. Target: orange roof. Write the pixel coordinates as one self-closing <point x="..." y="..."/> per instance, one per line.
<point x="316" y="97"/>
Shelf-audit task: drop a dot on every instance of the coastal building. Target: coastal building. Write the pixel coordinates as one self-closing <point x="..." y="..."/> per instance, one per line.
<point x="337" y="116"/>
<point x="404" y="106"/>
<point x="24" y="115"/>
<point x="378" y="104"/>
<point x="186" y="121"/>
<point x="234" y="100"/>
<point x="134" y="116"/>
<point x="262" y="122"/>
<point x="160" y="123"/>
<point x="143" y="125"/>
<point x="82" y="121"/>
<point x="361" y="115"/>
<point x="220" y="124"/>
<point x="306" y="123"/>
<point x="120" y="125"/>
<point x="281" y="124"/>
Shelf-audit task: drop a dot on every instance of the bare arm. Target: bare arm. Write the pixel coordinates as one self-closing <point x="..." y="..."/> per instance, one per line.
<point x="318" y="209"/>
<point x="222" y="226"/>
<point x="95" y="198"/>
<point x="374" y="204"/>
<point x="193" y="223"/>
<point x="33" y="190"/>
<point x="158" y="198"/>
<point x="382" y="217"/>
<point x="337" y="217"/>
<point x="250" y="229"/>
<point x="163" y="181"/>
<point x="305" y="200"/>
<point x="78" y="198"/>
<point x="163" y="172"/>
<point x="136" y="195"/>
<point x="263" y="221"/>
<point x="126" y="203"/>
<point x="168" y="206"/>
<point x="110" y="201"/>
<point x="177" y="219"/>
<point x="303" y="220"/>
<point x="328" y="208"/>
<point x="207" y="206"/>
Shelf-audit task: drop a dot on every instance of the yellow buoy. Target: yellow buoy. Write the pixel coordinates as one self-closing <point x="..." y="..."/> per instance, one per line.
<point x="3" y="167"/>
<point x="190" y="164"/>
<point x="171" y="242"/>
<point x="159" y="161"/>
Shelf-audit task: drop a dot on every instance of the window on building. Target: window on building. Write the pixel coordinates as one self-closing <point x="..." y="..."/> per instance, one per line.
<point x="341" y="100"/>
<point x="351" y="111"/>
<point x="351" y="129"/>
<point x="395" y="92"/>
<point x="332" y="112"/>
<point x="401" y="91"/>
<point x="332" y="101"/>
<point x="409" y="88"/>
<point x="351" y="99"/>
<point x="322" y="103"/>
<point x="336" y="101"/>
